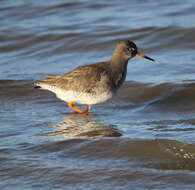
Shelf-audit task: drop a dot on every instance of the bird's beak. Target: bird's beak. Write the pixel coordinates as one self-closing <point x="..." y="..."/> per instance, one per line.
<point x="144" y="56"/>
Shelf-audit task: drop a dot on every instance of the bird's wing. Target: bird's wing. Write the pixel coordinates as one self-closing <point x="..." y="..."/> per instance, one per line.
<point x="82" y="79"/>
<point x="51" y="76"/>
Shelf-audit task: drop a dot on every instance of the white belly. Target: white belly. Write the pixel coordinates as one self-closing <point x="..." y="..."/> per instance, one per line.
<point x="79" y="97"/>
<point x="83" y="98"/>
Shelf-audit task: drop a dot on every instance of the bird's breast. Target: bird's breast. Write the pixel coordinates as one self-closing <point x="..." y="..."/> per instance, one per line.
<point x="119" y="79"/>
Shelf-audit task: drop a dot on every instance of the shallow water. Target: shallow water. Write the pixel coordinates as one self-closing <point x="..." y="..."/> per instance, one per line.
<point x="141" y="139"/>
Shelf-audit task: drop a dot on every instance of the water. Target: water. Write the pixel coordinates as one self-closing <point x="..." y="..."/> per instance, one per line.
<point x="141" y="139"/>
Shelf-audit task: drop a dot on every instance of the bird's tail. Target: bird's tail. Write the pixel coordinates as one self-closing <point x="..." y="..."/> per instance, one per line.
<point x="47" y="83"/>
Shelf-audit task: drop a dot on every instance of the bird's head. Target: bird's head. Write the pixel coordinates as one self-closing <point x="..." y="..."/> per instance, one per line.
<point x="130" y="50"/>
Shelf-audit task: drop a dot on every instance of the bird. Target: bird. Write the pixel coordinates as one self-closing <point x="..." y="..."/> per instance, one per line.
<point x="93" y="83"/>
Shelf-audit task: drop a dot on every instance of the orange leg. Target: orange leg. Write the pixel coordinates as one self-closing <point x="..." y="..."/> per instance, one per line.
<point x="70" y="104"/>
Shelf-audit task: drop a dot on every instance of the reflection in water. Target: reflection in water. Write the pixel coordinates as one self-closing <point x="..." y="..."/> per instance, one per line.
<point x="83" y="126"/>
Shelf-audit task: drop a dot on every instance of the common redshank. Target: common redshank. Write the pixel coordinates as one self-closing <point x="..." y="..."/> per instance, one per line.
<point x="94" y="83"/>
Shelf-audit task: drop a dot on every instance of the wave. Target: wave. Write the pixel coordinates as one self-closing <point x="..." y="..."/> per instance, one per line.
<point x="162" y="154"/>
<point x="62" y="41"/>
<point x="169" y="96"/>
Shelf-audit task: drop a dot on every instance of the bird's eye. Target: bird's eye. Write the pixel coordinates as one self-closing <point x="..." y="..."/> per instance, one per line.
<point x="131" y="49"/>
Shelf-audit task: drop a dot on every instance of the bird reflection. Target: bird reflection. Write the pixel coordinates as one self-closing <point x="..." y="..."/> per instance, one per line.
<point x="84" y="126"/>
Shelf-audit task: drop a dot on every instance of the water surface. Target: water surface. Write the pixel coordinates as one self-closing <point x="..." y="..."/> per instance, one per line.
<point x="141" y="139"/>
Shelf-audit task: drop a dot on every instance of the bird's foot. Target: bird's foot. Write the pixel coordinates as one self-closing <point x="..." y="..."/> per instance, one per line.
<point x="70" y="104"/>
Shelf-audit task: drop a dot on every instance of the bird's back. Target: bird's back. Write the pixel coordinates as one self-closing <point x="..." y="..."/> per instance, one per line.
<point x="89" y="80"/>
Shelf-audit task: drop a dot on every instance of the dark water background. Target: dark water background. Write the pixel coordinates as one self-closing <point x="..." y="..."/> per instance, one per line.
<point x="144" y="138"/>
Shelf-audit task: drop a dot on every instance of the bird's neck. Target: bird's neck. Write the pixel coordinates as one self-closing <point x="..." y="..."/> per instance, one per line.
<point x="119" y="69"/>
